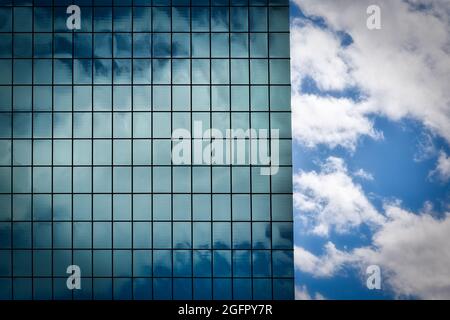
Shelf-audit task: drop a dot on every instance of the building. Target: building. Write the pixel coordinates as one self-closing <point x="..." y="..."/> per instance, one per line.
<point x="87" y="182"/>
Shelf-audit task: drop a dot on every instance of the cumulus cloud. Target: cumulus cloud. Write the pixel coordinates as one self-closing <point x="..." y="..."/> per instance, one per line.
<point x="411" y="249"/>
<point x="442" y="170"/>
<point x="403" y="70"/>
<point x="324" y="266"/>
<point x="426" y="148"/>
<point x="302" y="293"/>
<point x="363" y="174"/>
<point x="329" y="199"/>
<point x="319" y="55"/>
<point x="331" y="121"/>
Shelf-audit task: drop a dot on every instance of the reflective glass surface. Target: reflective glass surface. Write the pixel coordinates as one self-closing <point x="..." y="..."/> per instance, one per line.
<point x="86" y="175"/>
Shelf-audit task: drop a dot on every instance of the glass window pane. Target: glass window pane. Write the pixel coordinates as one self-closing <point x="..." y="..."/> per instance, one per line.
<point x="162" y="207"/>
<point x="161" y="19"/>
<point x="258" y="45"/>
<point x="279" y="19"/>
<point x="201" y="207"/>
<point x="258" y="18"/>
<point x="82" y="179"/>
<point x="221" y="207"/>
<point x="181" y="44"/>
<point x="200" y="44"/>
<point x="142" y="179"/>
<point x="142" y="19"/>
<point x="200" y="19"/>
<point x="219" y="18"/>
<point x="219" y="45"/>
<point x="181" y="235"/>
<point x="162" y="235"/>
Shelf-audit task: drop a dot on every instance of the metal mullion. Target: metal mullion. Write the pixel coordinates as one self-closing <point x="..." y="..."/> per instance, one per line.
<point x="270" y="151"/>
<point x="145" y="58"/>
<point x="12" y="154"/>
<point x="250" y="149"/>
<point x="53" y="135"/>
<point x="191" y="169"/>
<point x="163" y="220"/>
<point x="112" y="151"/>
<point x="151" y="148"/>
<point x="180" y="31"/>
<point x="210" y="124"/>
<point x="231" y="146"/>
<point x="72" y="140"/>
<point x="92" y="154"/>
<point x="32" y="145"/>
<point x="171" y="144"/>
<point x="132" y="150"/>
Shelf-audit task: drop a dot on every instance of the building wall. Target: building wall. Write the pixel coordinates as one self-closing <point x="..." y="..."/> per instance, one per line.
<point x="86" y="177"/>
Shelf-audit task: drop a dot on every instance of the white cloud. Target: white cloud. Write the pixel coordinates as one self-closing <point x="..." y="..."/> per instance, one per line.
<point x="425" y="147"/>
<point x="413" y="252"/>
<point x="330" y="199"/>
<point x="402" y="69"/>
<point x="318" y="54"/>
<point x="324" y="266"/>
<point x="411" y="248"/>
<point x="302" y="293"/>
<point x="442" y="170"/>
<point x="331" y="121"/>
<point x="361" y="173"/>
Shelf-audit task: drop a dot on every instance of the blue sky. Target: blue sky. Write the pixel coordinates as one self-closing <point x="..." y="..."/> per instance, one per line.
<point x="371" y="148"/>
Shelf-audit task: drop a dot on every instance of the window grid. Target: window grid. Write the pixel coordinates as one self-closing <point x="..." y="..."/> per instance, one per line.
<point x="92" y="154"/>
<point x="132" y="158"/>
<point x="112" y="151"/>
<point x="54" y="138"/>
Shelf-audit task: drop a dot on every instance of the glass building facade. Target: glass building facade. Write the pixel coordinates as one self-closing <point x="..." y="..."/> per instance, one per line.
<point x="86" y="176"/>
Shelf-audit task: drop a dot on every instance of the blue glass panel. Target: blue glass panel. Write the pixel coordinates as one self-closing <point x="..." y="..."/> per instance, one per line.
<point x="242" y="289"/>
<point x="82" y="235"/>
<point x="242" y="263"/>
<point x="122" y="235"/>
<point x="202" y="263"/>
<point x="262" y="289"/>
<point x="161" y="19"/>
<point x="181" y="235"/>
<point x="142" y="288"/>
<point x="142" y="235"/>
<point x="162" y="235"/>
<point x="102" y="261"/>
<point x="162" y="263"/>
<point x="102" y="289"/>
<point x="182" y="263"/>
<point x="142" y="263"/>
<point x="222" y="263"/>
<point x="162" y="288"/>
<point x="202" y="288"/>
<point x="182" y="289"/>
<point x="122" y="263"/>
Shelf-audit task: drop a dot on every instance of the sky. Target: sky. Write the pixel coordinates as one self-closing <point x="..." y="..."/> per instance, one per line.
<point x="371" y="115"/>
